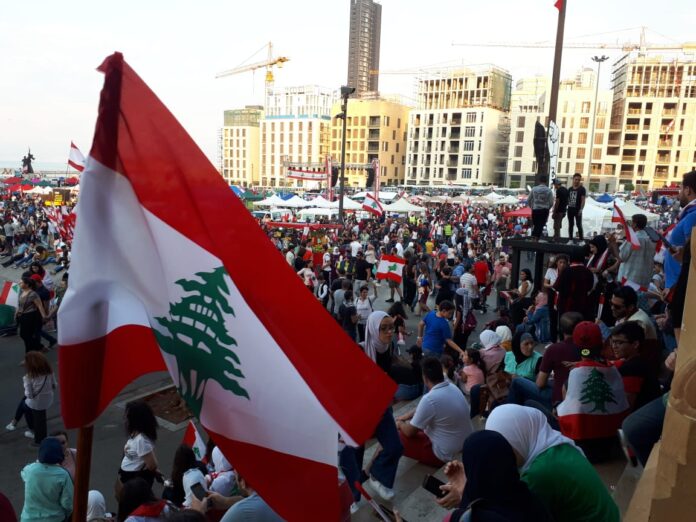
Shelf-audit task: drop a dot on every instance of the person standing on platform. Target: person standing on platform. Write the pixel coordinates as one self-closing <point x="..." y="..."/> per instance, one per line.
<point x="576" y="202"/>
<point x="540" y="201"/>
<point x="560" y="208"/>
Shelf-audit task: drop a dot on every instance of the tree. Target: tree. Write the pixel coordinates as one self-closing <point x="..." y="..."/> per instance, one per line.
<point x="199" y="340"/>
<point x="596" y="389"/>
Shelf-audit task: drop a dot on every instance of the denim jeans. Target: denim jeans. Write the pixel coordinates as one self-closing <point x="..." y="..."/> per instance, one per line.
<point x="384" y="466"/>
<point x="538" y="324"/>
<point x="350" y="466"/>
<point x="522" y="390"/>
<point x="643" y="428"/>
<point x="408" y="392"/>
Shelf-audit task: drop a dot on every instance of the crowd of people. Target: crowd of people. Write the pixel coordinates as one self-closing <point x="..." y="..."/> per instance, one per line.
<point x="571" y="370"/>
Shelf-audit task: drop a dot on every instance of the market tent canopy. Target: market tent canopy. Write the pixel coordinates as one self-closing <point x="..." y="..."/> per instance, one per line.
<point x="629" y="208"/>
<point x="318" y="212"/>
<point x="402" y="206"/>
<point x="507" y="200"/>
<point x="604" y="198"/>
<point x="297" y="202"/>
<point x="383" y="196"/>
<point x="493" y="196"/>
<point x="595" y="219"/>
<point x="348" y="204"/>
<point x="321" y="202"/>
<point x="273" y="201"/>
<point x="520" y="212"/>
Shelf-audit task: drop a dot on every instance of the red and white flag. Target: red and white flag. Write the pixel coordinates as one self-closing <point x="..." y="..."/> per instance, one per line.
<point x="193" y="439"/>
<point x="9" y="294"/>
<point x="631" y="237"/>
<point x="637" y="287"/>
<point x="76" y="159"/>
<point x="372" y="204"/>
<point x="162" y="279"/>
<point x="390" y="267"/>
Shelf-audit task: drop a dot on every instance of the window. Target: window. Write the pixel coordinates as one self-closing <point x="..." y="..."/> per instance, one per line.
<point x="601" y="122"/>
<point x="466" y="173"/>
<point x="580" y="153"/>
<point x="596" y="154"/>
<point x="585" y="107"/>
<point x="519" y="136"/>
<point x="517" y="166"/>
<point x="392" y="159"/>
<point x="386" y="121"/>
<point x="520" y="121"/>
<point x="393" y="135"/>
<point x="584" y="122"/>
<point x="518" y="151"/>
<point x="397" y="147"/>
<point x="599" y="138"/>
<point x="469" y="132"/>
<point x="469" y="145"/>
<point x="582" y="138"/>
<point x="398" y="123"/>
<point x="471" y="117"/>
<point x="468" y="159"/>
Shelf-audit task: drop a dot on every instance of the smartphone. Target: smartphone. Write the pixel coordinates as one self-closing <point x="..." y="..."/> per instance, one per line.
<point x="198" y="490"/>
<point x="433" y="484"/>
<point x="655" y="236"/>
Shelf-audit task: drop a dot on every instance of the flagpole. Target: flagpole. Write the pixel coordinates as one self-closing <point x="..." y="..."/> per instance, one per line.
<point x="82" y="472"/>
<point x="556" y="78"/>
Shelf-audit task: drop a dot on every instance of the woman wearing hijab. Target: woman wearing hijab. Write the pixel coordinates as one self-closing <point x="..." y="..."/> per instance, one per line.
<point x="379" y="332"/>
<point x="96" y="508"/>
<point x="553" y="467"/>
<point x="492" y="356"/>
<point x="523" y="361"/>
<point x="48" y="488"/>
<point x="505" y="335"/>
<point x="492" y="491"/>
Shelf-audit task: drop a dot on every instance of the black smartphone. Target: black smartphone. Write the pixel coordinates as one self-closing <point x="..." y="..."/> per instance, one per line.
<point x="198" y="490"/>
<point x="433" y="484"/>
<point x="655" y="236"/>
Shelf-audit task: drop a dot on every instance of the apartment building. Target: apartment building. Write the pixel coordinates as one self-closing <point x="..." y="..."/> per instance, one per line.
<point x="295" y="129"/>
<point x="363" y="46"/>
<point x="458" y="134"/>
<point x="652" y="136"/>
<point x="375" y="129"/>
<point x="239" y="146"/>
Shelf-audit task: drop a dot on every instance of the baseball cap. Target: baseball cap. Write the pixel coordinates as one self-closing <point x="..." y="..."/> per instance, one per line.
<point x="36" y="277"/>
<point x="588" y="336"/>
<point x="556" y="181"/>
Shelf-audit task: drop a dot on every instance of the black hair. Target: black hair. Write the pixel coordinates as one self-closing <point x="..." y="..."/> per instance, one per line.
<point x="449" y="365"/>
<point x="432" y="369"/>
<point x="628" y="295"/>
<point x="184" y="460"/>
<point x="569" y="321"/>
<point x="528" y="272"/>
<point x="141" y="419"/>
<point x="577" y="256"/>
<point x="416" y="352"/>
<point x="134" y="494"/>
<point x="632" y="330"/>
<point x="29" y="282"/>
<point x="348" y="295"/>
<point x="364" y="287"/>
<point x="577" y="175"/>
<point x="640" y="221"/>
<point x="397" y="308"/>
<point x="689" y="180"/>
<point x="543" y="179"/>
<point x="35" y="264"/>
<point x="517" y="348"/>
<point x="475" y="357"/>
<point x="445" y="306"/>
<point x="346" y="284"/>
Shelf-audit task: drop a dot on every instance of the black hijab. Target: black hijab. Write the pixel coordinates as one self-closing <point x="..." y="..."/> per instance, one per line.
<point x="493" y="490"/>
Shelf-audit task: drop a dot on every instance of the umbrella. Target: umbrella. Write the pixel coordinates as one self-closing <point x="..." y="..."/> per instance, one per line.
<point x="604" y="198"/>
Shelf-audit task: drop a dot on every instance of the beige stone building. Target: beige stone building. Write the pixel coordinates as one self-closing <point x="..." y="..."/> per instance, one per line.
<point x="653" y="124"/>
<point x="458" y="134"/>
<point x="375" y="129"/>
<point x="240" y="146"/>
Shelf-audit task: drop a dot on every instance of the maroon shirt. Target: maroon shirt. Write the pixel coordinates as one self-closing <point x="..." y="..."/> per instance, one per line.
<point x="574" y="285"/>
<point x="552" y="361"/>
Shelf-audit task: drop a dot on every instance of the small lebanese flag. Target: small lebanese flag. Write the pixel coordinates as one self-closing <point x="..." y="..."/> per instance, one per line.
<point x="9" y="295"/>
<point x="76" y="159"/>
<point x="372" y="204"/>
<point x="193" y="439"/>
<point x="187" y="300"/>
<point x="633" y="284"/>
<point x="595" y="403"/>
<point x="390" y="267"/>
<point x="618" y="217"/>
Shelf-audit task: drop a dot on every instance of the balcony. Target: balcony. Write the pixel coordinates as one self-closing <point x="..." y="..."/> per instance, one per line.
<point x="635" y="111"/>
<point x="628" y="158"/>
<point x="614" y="143"/>
<point x="663" y="160"/>
<point x="669" y="112"/>
<point x="631" y="127"/>
<point x="664" y="143"/>
<point x="660" y="172"/>
<point x="453" y="150"/>
<point x="628" y="143"/>
<point x="374" y="121"/>
<point x="455" y="135"/>
<point x="373" y="147"/>
<point x="373" y="134"/>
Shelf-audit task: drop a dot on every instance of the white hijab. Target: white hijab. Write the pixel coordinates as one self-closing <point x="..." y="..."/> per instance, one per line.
<point x="504" y="333"/>
<point x="372" y="344"/>
<point x="527" y="431"/>
<point x="489" y="339"/>
<point x="220" y="462"/>
<point x="96" y="506"/>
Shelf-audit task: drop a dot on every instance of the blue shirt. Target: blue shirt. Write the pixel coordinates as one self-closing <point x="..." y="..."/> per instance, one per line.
<point x="458" y="271"/>
<point x="437" y="331"/>
<point x="678" y="237"/>
<point x="251" y="509"/>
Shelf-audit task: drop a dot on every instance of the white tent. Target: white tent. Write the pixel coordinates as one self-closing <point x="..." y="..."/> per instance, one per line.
<point x="402" y="206"/>
<point x="348" y="204"/>
<point x="320" y="202"/>
<point x="440" y="199"/>
<point x="273" y="201"/>
<point x="595" y="219"/>
<point x="507" y="200"/>
<point x="39" y="190"/>
<point x="493" y="196"/>
<point x="383" y="196"/>
<point x="296" y="202"/>
<point x="629" y="208"/>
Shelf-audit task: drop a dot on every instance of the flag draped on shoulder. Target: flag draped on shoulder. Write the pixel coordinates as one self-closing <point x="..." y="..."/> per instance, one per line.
<point x="162" y="279"/>
<point x="372" y="204"/>
<point x="390" y="267"/>
<point x="76" y="159"/>
<point x="618" y="217"/>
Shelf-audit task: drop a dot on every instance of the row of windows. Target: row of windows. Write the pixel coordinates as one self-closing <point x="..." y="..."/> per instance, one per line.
<point x="424" y="173"/>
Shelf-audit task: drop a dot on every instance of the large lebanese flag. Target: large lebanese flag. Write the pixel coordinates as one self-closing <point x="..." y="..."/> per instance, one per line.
<point x="390" y="267"/>
<point x="372" y="204"/>
<point x="161" y="278"/>
<point x="618" y="217"/>
<point x="595" y="403"/>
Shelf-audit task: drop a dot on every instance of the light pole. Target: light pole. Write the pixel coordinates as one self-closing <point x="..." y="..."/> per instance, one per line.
<point x="598" y="60"/>
<point x="345" y="92"/>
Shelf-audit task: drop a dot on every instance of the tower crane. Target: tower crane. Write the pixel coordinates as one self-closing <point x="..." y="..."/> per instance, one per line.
<point x="270" y="62"/>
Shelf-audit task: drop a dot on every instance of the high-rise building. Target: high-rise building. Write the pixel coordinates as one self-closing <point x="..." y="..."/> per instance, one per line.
<point x="363" y="46"/>
<point x="239" y="146"/>
<point x="653" y="123"/>
<point x="295" y="129"/>
<point x="576" y="110"/>
<point x="375" y="129"/>
<point x="459" y="132"/>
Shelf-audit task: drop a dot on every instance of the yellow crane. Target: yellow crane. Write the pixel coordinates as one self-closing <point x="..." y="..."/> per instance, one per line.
<point x="270" y="62"/>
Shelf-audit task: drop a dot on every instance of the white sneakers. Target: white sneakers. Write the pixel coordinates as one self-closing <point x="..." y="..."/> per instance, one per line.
<point x="10" y="427"/>
<point x="29" y="434"/>
<point x="382" y="490"/>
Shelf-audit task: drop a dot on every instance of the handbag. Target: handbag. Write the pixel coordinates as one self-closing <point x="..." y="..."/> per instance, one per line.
<point x="470" y="322"/>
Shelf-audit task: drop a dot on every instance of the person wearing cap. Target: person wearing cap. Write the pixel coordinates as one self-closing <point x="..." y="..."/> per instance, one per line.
<point x="560" y="206"/>
<point x="48" y="488"/>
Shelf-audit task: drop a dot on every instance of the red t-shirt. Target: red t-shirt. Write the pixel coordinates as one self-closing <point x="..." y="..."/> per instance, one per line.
<point x="481" y="272"/>
<point x="552" y="361"/>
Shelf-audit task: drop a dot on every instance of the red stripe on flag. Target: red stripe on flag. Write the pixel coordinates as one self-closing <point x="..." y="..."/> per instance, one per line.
<point x="196" y="201"/>
<point x="6" y="287"/>
<point x="102" y="368"/>
<point x="559" y="4"/>
<point x="254" y="464"/>
<point x="389" y="275"/>
<point x="393" y="259"/>
<point x="583" y="426"/>
<point x="76" y="166"/>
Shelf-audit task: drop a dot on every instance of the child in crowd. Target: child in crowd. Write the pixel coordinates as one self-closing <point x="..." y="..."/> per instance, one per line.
<point x="473" y="372"/>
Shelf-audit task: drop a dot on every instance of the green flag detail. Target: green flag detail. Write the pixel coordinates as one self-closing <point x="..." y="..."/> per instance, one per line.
<point x="596" y="390"/>
<point x="391" y="268"/>
<point x="199" y="340"/>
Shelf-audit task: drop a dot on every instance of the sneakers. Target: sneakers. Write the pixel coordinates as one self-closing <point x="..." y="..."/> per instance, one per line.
<point x="10" y="427"/>
<point x="29" y="434"/>
<point x="388" y="300"/>
<point x="355" y="506"/>
<point x="382" y="490"/>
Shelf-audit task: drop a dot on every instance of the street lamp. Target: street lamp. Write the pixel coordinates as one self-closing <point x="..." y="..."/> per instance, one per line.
<point x="598" y="60"/>
<point x="345" y="92"/>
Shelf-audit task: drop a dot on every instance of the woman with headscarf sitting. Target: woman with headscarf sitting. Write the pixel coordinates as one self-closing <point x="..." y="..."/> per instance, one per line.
<point x="505" y="335"/>
<point x="486" y="485"/>
<point x="523" y="362"/>
<point x="379" y="332"/>
<point x="496" y="386"/>
<point x="553" y="467"/>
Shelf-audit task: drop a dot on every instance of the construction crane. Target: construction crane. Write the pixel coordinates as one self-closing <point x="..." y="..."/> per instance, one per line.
<point x="642" y="46"/>
<point x="270" y="62"/>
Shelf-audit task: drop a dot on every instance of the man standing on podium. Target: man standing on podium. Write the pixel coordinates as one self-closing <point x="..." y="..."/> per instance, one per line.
<point x="559" y="208"/>
<point x="576" y="202"/>
<point x="540" y="201"/>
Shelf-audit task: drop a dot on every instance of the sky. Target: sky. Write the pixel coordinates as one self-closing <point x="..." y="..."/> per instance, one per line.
<point x="49" y="52"/>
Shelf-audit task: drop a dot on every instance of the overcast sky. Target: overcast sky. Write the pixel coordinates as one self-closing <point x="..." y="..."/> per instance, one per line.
<point x="49" y="51"/>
